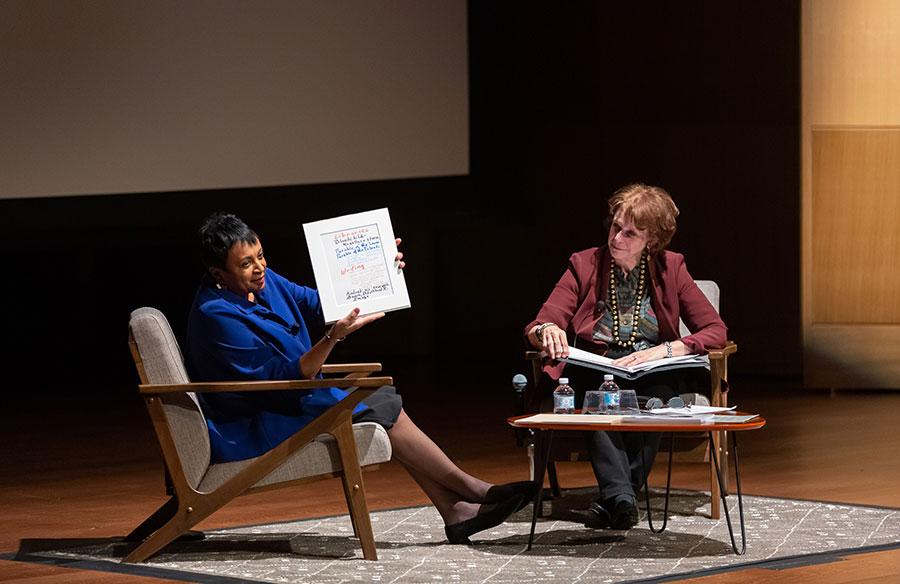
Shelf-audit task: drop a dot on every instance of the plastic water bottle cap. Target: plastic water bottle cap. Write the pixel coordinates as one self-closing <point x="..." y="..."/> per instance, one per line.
<point x="564" y="381"/>
<point x="607" y="377"/>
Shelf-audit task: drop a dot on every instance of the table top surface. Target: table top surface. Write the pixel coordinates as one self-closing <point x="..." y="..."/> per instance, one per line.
<point x="754" y="424"/>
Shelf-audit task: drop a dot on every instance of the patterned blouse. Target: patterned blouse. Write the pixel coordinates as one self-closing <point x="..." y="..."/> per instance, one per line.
<point x="648" y="326"/>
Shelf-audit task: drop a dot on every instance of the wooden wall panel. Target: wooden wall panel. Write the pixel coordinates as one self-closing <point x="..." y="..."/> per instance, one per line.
<point x="856" y="226"/>
<point x="851" y="193"/>
<point x="851" y="61"/>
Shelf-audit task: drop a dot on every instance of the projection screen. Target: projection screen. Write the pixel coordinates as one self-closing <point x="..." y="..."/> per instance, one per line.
<point x="125" y="96"/>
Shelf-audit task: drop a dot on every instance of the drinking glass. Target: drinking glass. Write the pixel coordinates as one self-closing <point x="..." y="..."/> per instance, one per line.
<point x="628" y="403"/>
<point x="593" y="403"/>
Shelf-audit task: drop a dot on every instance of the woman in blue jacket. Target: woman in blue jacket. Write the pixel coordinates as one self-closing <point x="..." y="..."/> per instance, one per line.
<point x="249" y="323"/>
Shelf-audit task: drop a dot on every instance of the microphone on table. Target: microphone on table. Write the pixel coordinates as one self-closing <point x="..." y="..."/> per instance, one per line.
<point x="519" y="382"/>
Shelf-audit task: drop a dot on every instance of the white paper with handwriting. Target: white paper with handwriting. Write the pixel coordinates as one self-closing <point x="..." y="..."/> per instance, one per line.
<point x="353" y="263"/>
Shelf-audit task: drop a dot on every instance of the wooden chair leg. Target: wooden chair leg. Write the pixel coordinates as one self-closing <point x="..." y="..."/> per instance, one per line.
<point x="723" y="458"/>
<point x="354" y="490"/>
<point x="531" y="467"/>
<point x="719" y="388"/>
<point x="347" y="483"/>
<point x="182" y="520"/>
<point x="159" y="518"/>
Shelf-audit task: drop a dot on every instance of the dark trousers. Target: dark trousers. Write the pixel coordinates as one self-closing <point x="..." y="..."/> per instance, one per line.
<point x="616" y="456"/>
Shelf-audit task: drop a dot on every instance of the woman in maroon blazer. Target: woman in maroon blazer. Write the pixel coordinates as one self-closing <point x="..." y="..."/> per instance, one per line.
<point x="624" y="300"/>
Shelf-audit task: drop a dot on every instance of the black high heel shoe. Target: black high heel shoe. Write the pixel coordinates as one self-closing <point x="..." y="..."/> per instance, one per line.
<point x="459" y="533"/>
<point x="528" y="489"/>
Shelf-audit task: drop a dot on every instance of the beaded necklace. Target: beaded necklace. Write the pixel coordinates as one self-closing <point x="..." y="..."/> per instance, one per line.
<point x="639" y="297"/>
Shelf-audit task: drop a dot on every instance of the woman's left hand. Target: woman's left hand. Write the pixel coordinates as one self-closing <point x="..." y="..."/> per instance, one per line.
<point x="352" y="322"/>
<point x="399" y="259"/>
<point x="651" y="354"/>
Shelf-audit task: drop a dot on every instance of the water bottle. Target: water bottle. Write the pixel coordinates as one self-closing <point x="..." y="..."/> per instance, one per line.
<point x="610" y="394"/>
<point x="564" y="398"/>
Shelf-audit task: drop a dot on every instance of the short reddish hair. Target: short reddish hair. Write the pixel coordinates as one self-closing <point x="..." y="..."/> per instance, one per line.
<point x="651" y="208"/>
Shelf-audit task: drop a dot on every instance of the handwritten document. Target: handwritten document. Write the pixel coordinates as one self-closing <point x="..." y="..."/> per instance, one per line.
<point x="357" y="258"/>
<point x="353" y="262"/>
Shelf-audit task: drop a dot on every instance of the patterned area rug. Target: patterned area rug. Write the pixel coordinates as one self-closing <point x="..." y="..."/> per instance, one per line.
<point x="412" y="547"/>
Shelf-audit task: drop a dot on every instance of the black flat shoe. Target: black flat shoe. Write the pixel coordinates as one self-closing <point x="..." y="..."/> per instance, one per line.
<point x="598" y="517"/>
<point x="625" y="515"/>
<point x="459" y="533"/>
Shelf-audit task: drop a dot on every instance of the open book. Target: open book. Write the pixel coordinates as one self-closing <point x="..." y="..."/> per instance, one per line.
<point x="584" y="359"/>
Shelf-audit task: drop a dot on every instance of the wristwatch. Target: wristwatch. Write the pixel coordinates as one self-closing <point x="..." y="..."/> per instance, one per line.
<point x="668" y="349"/>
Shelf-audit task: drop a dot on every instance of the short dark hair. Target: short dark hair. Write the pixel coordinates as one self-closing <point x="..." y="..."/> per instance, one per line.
<point x="218" y="233"/>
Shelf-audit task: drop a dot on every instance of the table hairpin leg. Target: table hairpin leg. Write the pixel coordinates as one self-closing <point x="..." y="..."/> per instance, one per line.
<point x="647" y="484"/>
<point x="737" y="477"/>
<point x="546" y="436"/>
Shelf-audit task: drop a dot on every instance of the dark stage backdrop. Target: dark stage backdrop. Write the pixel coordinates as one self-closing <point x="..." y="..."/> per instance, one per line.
<point x="568" y="101"/>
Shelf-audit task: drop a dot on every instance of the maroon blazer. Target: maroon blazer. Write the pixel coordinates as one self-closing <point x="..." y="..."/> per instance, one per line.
<point x="574" y="304"/>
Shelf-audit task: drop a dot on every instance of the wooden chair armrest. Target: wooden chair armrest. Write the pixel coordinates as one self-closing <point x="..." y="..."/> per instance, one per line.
<point x="350" y="368"/>
<point x="533" y="355"/>
<point x="341" y="382"/>
<point x="729" y="348"/>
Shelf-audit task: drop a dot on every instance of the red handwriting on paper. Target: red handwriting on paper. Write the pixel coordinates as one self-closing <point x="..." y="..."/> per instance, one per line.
<point x="345" y="271"/>
<point x="349" y="236"/>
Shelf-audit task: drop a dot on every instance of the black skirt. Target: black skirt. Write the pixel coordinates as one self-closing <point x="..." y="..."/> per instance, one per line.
<point x="382" y="407"/>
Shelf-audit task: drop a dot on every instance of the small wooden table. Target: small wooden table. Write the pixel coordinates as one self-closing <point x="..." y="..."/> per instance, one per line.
<point x="732" y="428"/>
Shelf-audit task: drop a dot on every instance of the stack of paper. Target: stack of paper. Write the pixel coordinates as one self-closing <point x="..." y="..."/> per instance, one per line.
<point x="569" y="419"/>
<point x="668" y="420"/>
<point x="691" y="410"/>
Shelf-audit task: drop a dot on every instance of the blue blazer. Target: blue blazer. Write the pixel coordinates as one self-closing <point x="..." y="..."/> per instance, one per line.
<point x="232" y="339"/>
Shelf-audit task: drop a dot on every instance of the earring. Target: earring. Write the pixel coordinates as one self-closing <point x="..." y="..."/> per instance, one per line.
<point x="219" y="285"/>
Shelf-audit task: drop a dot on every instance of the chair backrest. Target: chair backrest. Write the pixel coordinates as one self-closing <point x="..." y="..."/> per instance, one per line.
<point x="161" y="361"/>
<point x="711" y="290"/>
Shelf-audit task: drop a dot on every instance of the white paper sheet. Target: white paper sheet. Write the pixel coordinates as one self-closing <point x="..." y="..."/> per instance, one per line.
<point x="353" y="262"/>
<point x="570" y="419"/>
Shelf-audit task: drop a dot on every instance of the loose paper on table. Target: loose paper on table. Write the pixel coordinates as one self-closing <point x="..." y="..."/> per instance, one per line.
<point x="353" y="263"/>
<point x="642" y="418"/>
<point x="570" y="419"/>
<point x="691" y="410"/>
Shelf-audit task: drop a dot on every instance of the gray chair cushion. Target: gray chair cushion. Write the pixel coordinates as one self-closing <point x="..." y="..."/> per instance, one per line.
<point x="161" y="356"/>
<point x="320" y="456"/>
<point x="711" y="290"/>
